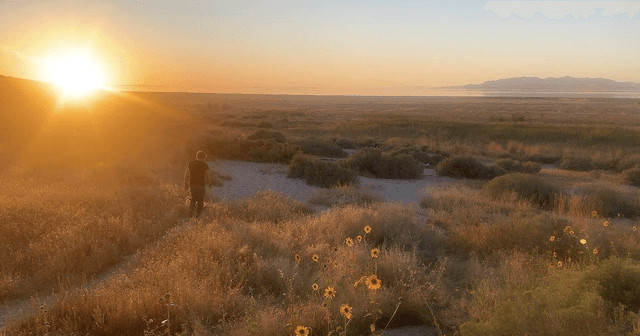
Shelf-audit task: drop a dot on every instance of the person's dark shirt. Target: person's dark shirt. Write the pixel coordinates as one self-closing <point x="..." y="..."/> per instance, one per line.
<point x="197" y="169"/>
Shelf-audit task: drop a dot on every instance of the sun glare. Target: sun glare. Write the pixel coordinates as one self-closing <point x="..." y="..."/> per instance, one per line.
<point x="76" y="75"/>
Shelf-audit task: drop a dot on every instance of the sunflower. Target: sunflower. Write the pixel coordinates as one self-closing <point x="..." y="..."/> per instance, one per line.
<point x="325" y="266"/>
<point x="571" y="232"/>
<point x="583" y="241"/>
<point x="302" y="331"/>
<point x="373" y="282"/>
<point x="315" y="287"/>
<point x="345" y="310"/>
<point x="555" y="254"/>
<point x="594" y="213"/>
<point x="605" y="223"/>
<point x="367" y="229"/>
<point x="358" y="238"/>
<point x="595" y="251"/>
<point x="375" y="252"/>
<point x="330" y="292"/>
<point x="348" y="241"/>
<point x="559" y="264"/>
<point x="635" y="228"/>
<point x="552" y="238"/>
<point x="315" y="257"/>
<point x="297" y="257"/>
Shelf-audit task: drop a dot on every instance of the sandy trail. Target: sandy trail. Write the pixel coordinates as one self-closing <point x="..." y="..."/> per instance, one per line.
<point x="250" y="177"/>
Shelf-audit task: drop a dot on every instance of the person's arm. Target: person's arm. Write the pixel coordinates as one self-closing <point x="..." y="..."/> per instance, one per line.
<point x="187" y="175"/>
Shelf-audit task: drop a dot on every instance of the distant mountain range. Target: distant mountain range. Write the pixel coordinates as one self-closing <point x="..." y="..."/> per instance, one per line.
<point x="551" y="84"/>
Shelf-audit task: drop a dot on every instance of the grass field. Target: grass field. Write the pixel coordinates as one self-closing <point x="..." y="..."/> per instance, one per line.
<point x="93" y="228"/>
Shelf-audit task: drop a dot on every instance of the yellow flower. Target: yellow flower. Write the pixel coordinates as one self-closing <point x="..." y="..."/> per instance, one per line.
<point x="555" y="254"/>
<point x="559" y="264"/>
<point x="552" y="238"/>
<point x="571" y="232"/>
<point x="367" y="229"/>
<point x="358" y="238"/>
<point x="373" y="282"/>
<point x="595" y="251"/>
<point x="330" y="292"/>
<point x="345" y="310"/>
<point x="348" y="241"/>
<point x="583" y="241"/>
<point x="635" y="228"/>
<point x="315" y="257"/>
<point x="315" y="287"/>
<point x="375" y="252"/>
<point x="567" y="229"/>
<point x="594" y="213"/>
<point x="302" y="331"/>
<point x="297" y="257"/>
<point x="605" y="223"/>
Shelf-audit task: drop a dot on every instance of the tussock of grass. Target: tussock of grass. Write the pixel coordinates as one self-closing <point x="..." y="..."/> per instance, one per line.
<point x="373" y="162"/>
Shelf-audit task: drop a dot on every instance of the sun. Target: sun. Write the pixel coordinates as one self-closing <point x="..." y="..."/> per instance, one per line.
<point x="76" y="75"/>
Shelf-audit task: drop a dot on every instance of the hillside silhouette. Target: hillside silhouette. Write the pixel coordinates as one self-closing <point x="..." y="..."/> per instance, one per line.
<point x="553" y="84"/>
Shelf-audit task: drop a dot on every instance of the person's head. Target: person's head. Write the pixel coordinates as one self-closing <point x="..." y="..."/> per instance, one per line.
<point x="200" y="155"/>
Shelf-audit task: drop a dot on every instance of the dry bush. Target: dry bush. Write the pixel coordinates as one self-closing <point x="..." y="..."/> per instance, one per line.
<point x="576" y="163"/>
<point x="605" y="199"/>
<point x="321" y="148"/>
<point x="467" y="167"/>
<point x="517" y="166"/>
<point x="526" y="188"/>
<point x="266" y="135"/>
<point x="632" y="176"/>
<point x="324" y="174"/>
<point x="373" y="162"/>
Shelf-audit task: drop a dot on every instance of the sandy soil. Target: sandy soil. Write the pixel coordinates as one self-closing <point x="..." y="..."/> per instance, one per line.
<point x="250" y="177"/>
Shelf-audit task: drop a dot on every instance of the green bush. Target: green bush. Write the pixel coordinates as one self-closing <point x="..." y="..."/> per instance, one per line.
<point x="321" y="148"/>
<point x="316" y="172"/>
<point x="372" y="162"/>
<point x="632" y="176"/>
<point x="526" y="187"/>
<point x="467" y="167"/>
<point x="600" y="300"/>
<point x="419" y="154"/>
<point x="576" y="163"/>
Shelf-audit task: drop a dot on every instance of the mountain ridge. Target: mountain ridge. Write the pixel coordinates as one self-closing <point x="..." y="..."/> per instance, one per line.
<point x="550" y="84"/>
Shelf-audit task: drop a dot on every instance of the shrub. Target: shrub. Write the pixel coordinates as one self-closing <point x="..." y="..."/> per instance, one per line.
<point x="576" y="163"/>
<point x="601" y="300"/>
<point x="467" y="167"/>
<point x="368" y="142"/>
<point x="605" y="200"/>
<point x="632" y="176"/>
<point x="511" y="165"/>
<point x="265" y="135"/>
<point x="628" y="162"/>
<point x="372" y="162"/>
<point x="418" y="154"/>
<point x="316" y="172"/>
<point x="345" y="144"/>
<point x="526" y="187"/>
<point x="232" y="148"/>
<point x="541" y="158"/>
<point x="321" y="148"/>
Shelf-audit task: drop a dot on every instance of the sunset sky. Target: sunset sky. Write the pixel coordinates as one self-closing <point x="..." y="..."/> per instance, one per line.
<point x="321" y="47"/>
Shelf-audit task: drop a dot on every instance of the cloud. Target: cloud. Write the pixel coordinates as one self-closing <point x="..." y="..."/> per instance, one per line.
<point x="557" y="10"/>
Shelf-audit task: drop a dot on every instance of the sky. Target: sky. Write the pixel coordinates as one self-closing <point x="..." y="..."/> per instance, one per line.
<point x="321" y="47"/>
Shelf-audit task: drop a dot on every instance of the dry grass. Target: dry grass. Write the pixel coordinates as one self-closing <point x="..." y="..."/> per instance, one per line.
<point x="475" y="265"/>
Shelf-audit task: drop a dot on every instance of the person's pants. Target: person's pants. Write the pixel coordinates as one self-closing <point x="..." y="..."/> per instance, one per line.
<point x="197" y="196"/>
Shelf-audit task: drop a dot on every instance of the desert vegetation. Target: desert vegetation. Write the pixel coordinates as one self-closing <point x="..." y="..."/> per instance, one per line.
<point x="94" y="238"/>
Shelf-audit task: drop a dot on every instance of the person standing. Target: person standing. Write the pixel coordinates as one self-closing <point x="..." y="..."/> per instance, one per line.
<point x="196" y="177"/>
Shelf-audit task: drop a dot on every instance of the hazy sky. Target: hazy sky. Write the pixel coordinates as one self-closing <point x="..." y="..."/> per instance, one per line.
<point x="323" y="47"/>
